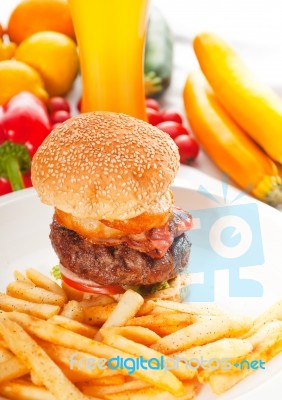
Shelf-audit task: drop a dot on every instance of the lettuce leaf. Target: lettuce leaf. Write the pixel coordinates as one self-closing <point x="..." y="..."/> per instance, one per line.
<point x="55" y="272"/>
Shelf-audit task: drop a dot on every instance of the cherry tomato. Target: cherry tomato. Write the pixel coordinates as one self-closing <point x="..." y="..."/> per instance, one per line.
<point x="171" y="116"/>
<point x="55" y="125"/>
<point x="152" y="103"/>
<point x="174" y="129"/>
<point x="154" y="117"/>
<point x="78" y="104"/>
<point x="57" y="104"/>
<point x="188" y="148"/>
<point x="59" y="116"/>
<point x="110" y="290"/>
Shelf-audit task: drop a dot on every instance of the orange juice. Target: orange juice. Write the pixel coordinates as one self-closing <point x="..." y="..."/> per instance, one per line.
<point x="111" y="40"/>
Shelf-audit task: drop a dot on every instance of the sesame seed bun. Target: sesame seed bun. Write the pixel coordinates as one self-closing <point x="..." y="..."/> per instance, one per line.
<point x="104" y="165"/>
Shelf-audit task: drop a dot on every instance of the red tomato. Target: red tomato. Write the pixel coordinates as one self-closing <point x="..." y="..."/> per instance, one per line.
<point x="174" y="129"/>
<point x="110" y="290"/>
<point x="59" y="116"/>
<point x="55" y="125"/>
<point x="188" y="148"/>
<point x="171" y="116"/>
<point x="154" y="117"/>
<point x="152" y="103"/>
<point x="57" y="104"/>
<point x="78" y="104"/>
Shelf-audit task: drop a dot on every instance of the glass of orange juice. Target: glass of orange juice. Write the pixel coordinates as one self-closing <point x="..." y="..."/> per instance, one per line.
<point x="111" y="39"/>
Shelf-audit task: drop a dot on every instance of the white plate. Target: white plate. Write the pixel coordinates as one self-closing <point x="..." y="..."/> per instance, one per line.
<point x="24" y="231"/>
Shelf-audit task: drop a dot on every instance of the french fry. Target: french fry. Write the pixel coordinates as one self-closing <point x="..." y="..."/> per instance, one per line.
<point x="21" y="277"/>
<point x="21" y="390"/>
<point x="61" y="336"/>
<point x="35" y="379"/>
<point x="28" y="291"/>
<point x="34" y="358"/>
<point x="98" y="315"/>
<point x="191" y="308"/>
<point x="146" y="308"/>
<point x="221" y="382"/>
<point x="210" y="329"/>
<point x="63" y="355"/>
<point x="73" y="310"/>
<point x="74" y="376"/>
<point x="110" y="372"/>
<point x="109" y="380"/>
<point x="130" y="302"/>
<point x="12" y="369"/>
<point x="151" y="394"/>
<point x="91" y="389"/>
<point x="163" y="324"/>
<point x="45" y="283"/>
<point x="100" y="300"/>
<point x="73" y="325"/>
<point x="171" y="319"/>
<point x="178" y="368"/>
<point x="167" y="330"/>
<point x="161" y="310"/>
<point x="267" y="343"/>
<point x="137" y="333"/>
<point x="273" y="313"/>
<point x="45" y="311"/>
<point x="222" y="348"/>
<point x="268" y="335"/>
<point x="5" y="354"/>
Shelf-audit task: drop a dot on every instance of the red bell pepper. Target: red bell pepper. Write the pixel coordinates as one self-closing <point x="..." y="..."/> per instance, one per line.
<point x="5" y="186"/>
<point x="24" y="124"/>
<point x="25" y="121"/>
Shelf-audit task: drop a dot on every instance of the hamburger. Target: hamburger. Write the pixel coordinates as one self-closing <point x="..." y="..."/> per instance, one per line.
<point x="115" y="225"/>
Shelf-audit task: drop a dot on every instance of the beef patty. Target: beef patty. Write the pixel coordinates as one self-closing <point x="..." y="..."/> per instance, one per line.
<point x="117" y="265"/>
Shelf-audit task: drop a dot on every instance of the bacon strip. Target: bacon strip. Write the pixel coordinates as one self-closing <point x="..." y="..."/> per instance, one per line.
<point x="156" y="241"/>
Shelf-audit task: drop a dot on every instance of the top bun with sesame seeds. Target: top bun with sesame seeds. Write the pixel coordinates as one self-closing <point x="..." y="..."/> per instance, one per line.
<point x="104" y="165"/>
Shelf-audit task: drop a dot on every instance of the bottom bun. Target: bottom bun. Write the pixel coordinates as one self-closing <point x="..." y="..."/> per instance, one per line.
<point x="172" y="293"/>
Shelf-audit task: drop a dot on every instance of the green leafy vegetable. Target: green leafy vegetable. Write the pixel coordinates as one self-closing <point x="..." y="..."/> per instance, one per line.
<point x="55" y="272"/>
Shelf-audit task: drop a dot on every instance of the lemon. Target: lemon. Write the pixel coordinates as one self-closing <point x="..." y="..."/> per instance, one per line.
<point x="54" y="56"/>
<point x="16" y="77"/>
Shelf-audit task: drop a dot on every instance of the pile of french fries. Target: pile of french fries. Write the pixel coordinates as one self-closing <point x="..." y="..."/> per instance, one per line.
<point x="41" y="330"/>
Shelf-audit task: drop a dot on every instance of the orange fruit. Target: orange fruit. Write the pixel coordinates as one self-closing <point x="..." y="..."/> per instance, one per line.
<point x="32" y="16"/>
<point x="1" y="31"/>
<point x="54" y="56"/>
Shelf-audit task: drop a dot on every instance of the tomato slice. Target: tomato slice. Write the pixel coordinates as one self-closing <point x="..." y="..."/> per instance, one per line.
<point x="110" y="290"/>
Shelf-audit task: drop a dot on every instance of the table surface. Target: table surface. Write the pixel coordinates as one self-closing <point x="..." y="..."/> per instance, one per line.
<point x="253" y="27"/>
